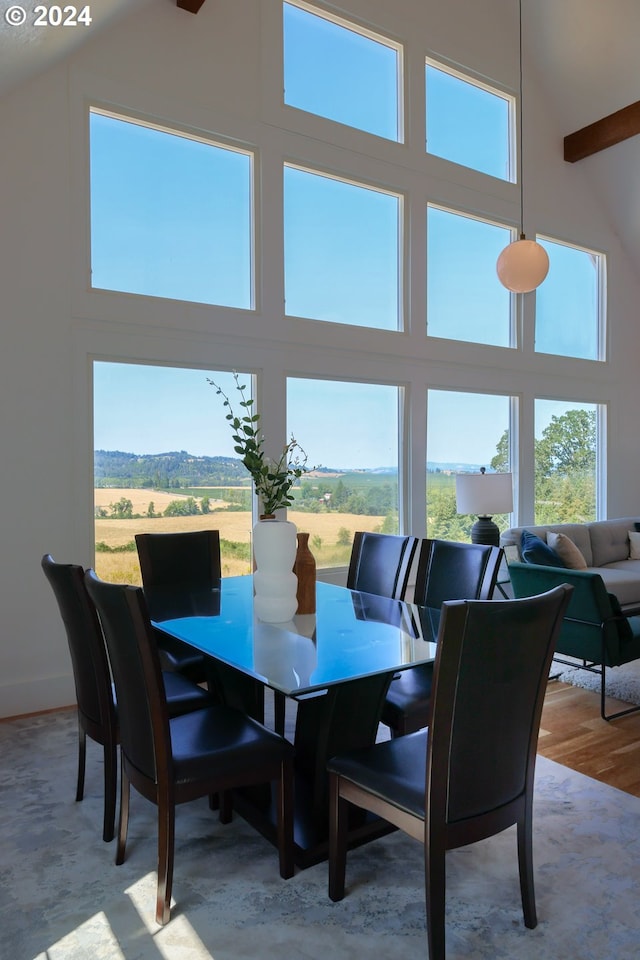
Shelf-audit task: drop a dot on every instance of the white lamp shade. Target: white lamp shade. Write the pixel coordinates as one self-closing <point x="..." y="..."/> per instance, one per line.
<point x="484" y="494"/>
<point x="522" y="266"/>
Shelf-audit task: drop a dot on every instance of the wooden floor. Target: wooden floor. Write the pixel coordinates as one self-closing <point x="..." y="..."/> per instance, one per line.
<point x="573" y="733"/>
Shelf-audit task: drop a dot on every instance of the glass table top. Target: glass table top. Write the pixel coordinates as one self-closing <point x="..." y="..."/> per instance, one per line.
<point x="351" y="635"/>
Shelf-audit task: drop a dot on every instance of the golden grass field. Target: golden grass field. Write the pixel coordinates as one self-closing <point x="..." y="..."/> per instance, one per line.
<point x="233" y="525"/>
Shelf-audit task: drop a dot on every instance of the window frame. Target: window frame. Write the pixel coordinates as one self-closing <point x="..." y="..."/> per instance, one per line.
<point x="185" y="133"/>
<point x="512" y="308"/>
<point x="272" y="344"/>
<point x="602" y="413"/>
<point x="481" y="83"/>
<point x="401" y="292"/>
<point x="402" y="437"/>
<point x="601" y="272"/>
<point x="359" y="28"/>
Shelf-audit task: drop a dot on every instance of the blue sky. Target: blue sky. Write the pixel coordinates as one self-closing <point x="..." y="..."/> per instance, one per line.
<point x="176" y="409"/>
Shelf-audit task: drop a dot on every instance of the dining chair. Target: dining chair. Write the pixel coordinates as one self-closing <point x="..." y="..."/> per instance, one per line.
<point x="447" y="570"/>
<point x="181" y="577"/>
<point x="470" y="775"/>
<point x="380" y="563"/>
<point x="175" y="564"/>
<point x="96" y="703"/>
<point x="172" y="760"/>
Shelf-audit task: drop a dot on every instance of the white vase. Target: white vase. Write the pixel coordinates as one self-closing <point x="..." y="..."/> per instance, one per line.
<point x="274" y="582"/>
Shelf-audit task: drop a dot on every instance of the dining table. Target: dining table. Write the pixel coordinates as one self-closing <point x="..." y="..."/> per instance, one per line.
<point x="332" y="668"/>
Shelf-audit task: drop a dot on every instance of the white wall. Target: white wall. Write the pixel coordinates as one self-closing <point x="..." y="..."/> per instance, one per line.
<point x="218" y="71"/>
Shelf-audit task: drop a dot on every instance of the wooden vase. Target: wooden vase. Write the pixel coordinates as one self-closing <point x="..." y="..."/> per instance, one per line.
<point x="305" y="570"/>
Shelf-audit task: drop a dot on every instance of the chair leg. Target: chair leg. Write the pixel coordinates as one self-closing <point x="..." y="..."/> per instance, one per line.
<point x="284" y="800"/>
<point x="225" y="803"/>
<point x="525" y="867"/>
<point x="279" y="711"/>
<point x="82" y="756"/>
<point x="123" y="825"/>
<point x="435" y="893"/>
<point x="338" y="816"/>
<point x="110" y="788"/>
<point x="166" y="846"/>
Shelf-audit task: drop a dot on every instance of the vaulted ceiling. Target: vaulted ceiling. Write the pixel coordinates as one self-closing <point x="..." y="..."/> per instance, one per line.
<point x="584" y="53"/>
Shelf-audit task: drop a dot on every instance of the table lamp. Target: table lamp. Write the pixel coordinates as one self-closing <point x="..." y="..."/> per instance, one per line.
<point x="485" y="495"/>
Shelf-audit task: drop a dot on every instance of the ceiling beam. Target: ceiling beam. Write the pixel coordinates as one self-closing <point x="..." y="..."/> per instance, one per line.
<point x="603" y="133"/>
<point x="191" y="5"/>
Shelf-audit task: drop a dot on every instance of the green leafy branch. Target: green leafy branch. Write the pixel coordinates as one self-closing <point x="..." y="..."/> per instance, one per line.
<point x="272" y="479"/>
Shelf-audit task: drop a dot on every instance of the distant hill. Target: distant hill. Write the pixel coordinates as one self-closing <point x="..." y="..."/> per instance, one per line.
<point x="162" y="471"/>
<point x="177" y="468"/>
<point x="433" y="467"/>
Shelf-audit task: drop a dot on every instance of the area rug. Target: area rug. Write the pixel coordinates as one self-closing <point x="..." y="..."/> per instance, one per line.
<point x="622" y="683"/>
<point x="62" y="897"/>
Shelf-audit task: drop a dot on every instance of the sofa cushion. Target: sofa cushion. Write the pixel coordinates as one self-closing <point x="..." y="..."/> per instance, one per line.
<point x="567" y="550"/>
<point x="610" y="540"/>
<point x="623" y="579"/>
<point x="634" y="545"/>
<point x="535" y="550"/>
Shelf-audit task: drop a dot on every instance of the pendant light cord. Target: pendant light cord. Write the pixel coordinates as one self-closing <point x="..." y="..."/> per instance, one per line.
<point x="521" y="127"/>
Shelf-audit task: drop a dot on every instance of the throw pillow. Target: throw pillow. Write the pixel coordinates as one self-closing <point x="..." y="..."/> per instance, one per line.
<point x="634" y="545"/>
<point x="567" y="551"/>
<point x="535" y="550"/>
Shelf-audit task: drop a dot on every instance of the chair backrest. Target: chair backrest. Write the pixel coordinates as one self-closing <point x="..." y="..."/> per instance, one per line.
<point x="91" y="673"/>
<point x="142" y="709"/>
<point x="381" y="563"/>
<point x="174" y="559"/>
<point x="448" y="570"/>
<point x="490" y="676"/>
<point x="593" y="615"/>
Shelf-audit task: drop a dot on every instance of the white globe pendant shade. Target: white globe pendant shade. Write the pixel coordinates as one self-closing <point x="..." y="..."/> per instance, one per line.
<point x="522" y="266"/>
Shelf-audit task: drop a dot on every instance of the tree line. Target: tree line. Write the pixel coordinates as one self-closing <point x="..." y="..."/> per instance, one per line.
<point x="565" y="489"/>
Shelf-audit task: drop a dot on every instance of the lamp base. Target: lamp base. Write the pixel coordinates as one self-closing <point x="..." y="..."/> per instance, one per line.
<point x="485" y="531"/>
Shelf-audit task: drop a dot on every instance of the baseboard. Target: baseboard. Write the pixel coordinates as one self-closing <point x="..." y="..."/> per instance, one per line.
<point x="37" y="695"/>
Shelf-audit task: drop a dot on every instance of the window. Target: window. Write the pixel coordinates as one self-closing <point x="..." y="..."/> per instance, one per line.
<point x="336" y="70"/>
<point x="376" y="260"/>
<point x="465" y="299"/>
<point x="350" y="432"/>
<point x="568" y="315"/>
<point x="469" y="122"/>
<point x="341" y="250"/>
<point x="465" y="431"/>
<point x="566" y="456"/>
<point x="171" y="215"/>
<point x="164" y="462"/>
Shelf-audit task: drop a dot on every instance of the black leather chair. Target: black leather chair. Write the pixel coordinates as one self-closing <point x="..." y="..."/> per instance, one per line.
<point x="178" y="564"/>
<point x="381" y="563"/>
<point x="174" y="760"/>
<point x="180" y="578"/>
<point x="470" y="775"/>
<point x="447" y="570"/>
<point x="97" y="710"/>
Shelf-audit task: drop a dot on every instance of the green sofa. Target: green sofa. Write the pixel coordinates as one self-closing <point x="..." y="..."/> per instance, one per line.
<point x="595" y="631"/>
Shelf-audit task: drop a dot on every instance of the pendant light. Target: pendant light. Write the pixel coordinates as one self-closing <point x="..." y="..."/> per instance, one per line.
<point x="523" y="264"/>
